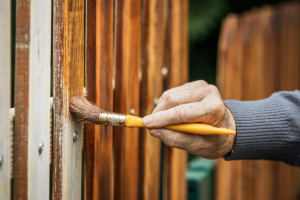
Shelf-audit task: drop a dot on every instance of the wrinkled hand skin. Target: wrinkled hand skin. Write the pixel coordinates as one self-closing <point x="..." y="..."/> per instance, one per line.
<point x="193" y="102"/>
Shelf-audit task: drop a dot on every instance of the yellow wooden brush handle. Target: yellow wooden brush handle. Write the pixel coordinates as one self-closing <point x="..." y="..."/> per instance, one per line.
<point x="194" y="128"/>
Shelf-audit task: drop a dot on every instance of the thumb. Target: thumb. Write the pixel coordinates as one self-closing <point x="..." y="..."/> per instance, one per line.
<point x="177" y="115"/>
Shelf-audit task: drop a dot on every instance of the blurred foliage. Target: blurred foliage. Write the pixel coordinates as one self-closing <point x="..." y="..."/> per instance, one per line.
<point x="205" y="17"/>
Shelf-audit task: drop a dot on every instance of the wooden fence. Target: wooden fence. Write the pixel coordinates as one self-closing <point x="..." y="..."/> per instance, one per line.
<point x="259" y="53"/>
<point x="125" y="53"/>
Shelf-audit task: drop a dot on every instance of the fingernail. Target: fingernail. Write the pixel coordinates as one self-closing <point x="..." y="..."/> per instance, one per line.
<point x="156" y="134"/>
<point x="147" y="120"/>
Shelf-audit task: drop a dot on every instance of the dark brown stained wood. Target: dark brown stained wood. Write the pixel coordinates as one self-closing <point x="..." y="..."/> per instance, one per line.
<point x="21" y="100"/>
<point x="126" y="97"/>
<point x="99" y="80"/>
<point x="68" y="65"/>
<point x="153" y="48"/>
<point x="175" y="160"/>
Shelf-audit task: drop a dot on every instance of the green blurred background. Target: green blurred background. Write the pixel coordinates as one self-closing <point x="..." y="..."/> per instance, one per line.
<point x="205" y="19"/>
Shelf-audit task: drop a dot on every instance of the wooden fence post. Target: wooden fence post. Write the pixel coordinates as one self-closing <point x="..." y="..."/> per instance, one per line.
<point x="68" y="76"/>
<point x="175" y="160"/>
<point x="99" y="86"/>
<point x="153" y="51"/>
<point x="5" y="60"/>
<point x="126" y="96"/>
<point x="32" y="94"/>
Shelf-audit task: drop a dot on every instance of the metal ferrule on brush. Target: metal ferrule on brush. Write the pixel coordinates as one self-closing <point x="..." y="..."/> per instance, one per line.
<point x="112" y="119"/>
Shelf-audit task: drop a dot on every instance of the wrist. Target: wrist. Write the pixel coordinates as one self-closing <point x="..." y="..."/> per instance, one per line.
<point x="229" y="123"/>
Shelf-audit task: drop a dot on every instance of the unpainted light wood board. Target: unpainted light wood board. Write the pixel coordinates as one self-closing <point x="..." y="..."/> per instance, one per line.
<point x="5" y="65"/>
<point x="33" y="40"/>
<point x="175" y="160"/>
<point x="68" y="65"/>
<point x="126" y="97"/>
<point x="153" y="48"/>
<point x="99" y="77"/>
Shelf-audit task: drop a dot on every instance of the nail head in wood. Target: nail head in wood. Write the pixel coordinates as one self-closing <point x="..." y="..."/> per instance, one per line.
<point x="1" y="160"/>
<point x="155" y="101"/>
<point x="164" y="71"/>
<point x="132" y="111"/>
<point x="75" y="136"/>
<point x="41" y="147"/>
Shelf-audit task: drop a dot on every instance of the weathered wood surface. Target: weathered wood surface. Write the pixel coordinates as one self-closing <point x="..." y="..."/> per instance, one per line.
<point x="153" y="48"/>
<point x="33" y="44"/>
<point x="175" y="160"/>
<point x="99" y="80"/>
<point x="68" y="66"/>
<point x="126" y="96"/>
<point x="5" y="60"/>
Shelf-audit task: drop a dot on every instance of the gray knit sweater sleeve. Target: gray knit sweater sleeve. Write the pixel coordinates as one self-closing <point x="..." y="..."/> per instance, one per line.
<point x="267" y="129"/>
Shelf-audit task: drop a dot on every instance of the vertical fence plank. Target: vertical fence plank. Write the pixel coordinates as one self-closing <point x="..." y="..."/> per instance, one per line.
<point x="263" y="39"/>
<point x="269" y="44"/>
<point x="68" y="65"/>
<point x="228" y="179"/>
<point x="33" y="36"/>
<point x="289" y="68"/>
<point x="153" y="48"/>
<point x="99" y="77"/>
<point x="5" y="60"/>
<point x="175" y="160"/>
<point x="126" y="96"/>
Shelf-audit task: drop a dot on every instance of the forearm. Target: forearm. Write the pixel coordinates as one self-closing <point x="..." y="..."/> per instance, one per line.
<point x="267" y="129"/>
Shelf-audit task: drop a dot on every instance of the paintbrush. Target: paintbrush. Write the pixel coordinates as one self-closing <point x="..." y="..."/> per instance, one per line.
<point x="86" y="112"/>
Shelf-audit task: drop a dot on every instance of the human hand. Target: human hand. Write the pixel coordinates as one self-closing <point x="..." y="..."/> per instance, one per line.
<point x="193" y="102"/>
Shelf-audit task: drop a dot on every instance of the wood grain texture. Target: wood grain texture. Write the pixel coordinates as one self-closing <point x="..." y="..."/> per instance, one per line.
<point x="68" y="66"/>
<point x="33" y="37"/>
<point x="153" y="48"/>
<point x="174" y="179"/>
<point x="99" y="77"/>
<point x="5" y="59"/>
<point x="229" y="181"/>
<point x="126" y="96"/>
<point x="267" y="42"/>
<point x="289" y="68"/>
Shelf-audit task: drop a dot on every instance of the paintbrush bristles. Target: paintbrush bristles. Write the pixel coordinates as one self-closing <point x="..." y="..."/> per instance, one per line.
<point x="84" y="111"/>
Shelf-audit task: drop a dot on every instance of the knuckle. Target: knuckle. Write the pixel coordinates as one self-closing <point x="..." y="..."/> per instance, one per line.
<point x="201" y="82"/>
<point x="219" y="106"/>
<point x="212" y="88"/>
<point x="170" y="99"/>
<point x="156" y="119"/>
<point x="180" y="112"/>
